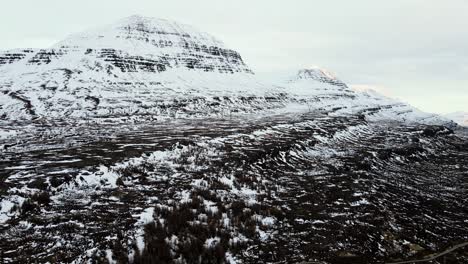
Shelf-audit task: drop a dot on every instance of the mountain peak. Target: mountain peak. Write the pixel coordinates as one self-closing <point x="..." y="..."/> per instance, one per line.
<point x="137" y="17"/>
<point x="315" y="72"/>
<point x="169" y="43"/>
<point x="141" y="32"/>
<point x="318" y="74"/>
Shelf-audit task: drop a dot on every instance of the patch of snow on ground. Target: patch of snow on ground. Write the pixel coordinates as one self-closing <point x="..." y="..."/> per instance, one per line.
<point x="146" y="217"/>
<point x="212" y="242"/>
<point x="7" y="205"/>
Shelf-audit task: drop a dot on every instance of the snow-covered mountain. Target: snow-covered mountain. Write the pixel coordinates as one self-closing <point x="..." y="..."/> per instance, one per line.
<point x="460" y="118"/>
<point x="321" y="89"/>
<point x="137" y="65"/>
<point x="318" y="83"/>
<point x="149" y="66"/>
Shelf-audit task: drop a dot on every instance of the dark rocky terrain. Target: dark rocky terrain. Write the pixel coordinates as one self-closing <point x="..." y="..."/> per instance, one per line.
<point x="286" y="188"/>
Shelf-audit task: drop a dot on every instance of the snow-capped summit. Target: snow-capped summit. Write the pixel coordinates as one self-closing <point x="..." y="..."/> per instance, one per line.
<point x="137" y="31"/>
<point x="317" y="82"/>
<point x="137" y="44"/>
<point x="136" y="65"/>
<point x="318" y="74"/>
<point x="166" y="43"/>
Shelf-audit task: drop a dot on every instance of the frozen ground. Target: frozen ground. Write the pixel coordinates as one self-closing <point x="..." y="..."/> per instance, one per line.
<point x="282" y="188"/>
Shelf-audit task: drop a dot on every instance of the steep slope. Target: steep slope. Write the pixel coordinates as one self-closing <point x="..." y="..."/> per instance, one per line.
<point x="137" y="65"/>
<point x="321" y="90"/>
<point x="460" y="118"/>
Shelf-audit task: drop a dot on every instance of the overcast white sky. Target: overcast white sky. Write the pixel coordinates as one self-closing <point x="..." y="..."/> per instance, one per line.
<point x="416" y="50"/>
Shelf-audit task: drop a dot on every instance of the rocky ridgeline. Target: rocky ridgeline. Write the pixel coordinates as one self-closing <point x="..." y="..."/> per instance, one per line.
<point x="10" y="57"/>
<point x="129" y="63"/>
<point x="232" y="61"/>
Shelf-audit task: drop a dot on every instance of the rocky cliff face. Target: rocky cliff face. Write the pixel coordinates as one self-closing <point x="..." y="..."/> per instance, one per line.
<point x="13" y="56"/>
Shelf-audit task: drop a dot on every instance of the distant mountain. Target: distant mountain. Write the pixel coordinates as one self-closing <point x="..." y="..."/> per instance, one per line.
<point x="460" y="118"/>
<point x="321" y="89"/>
